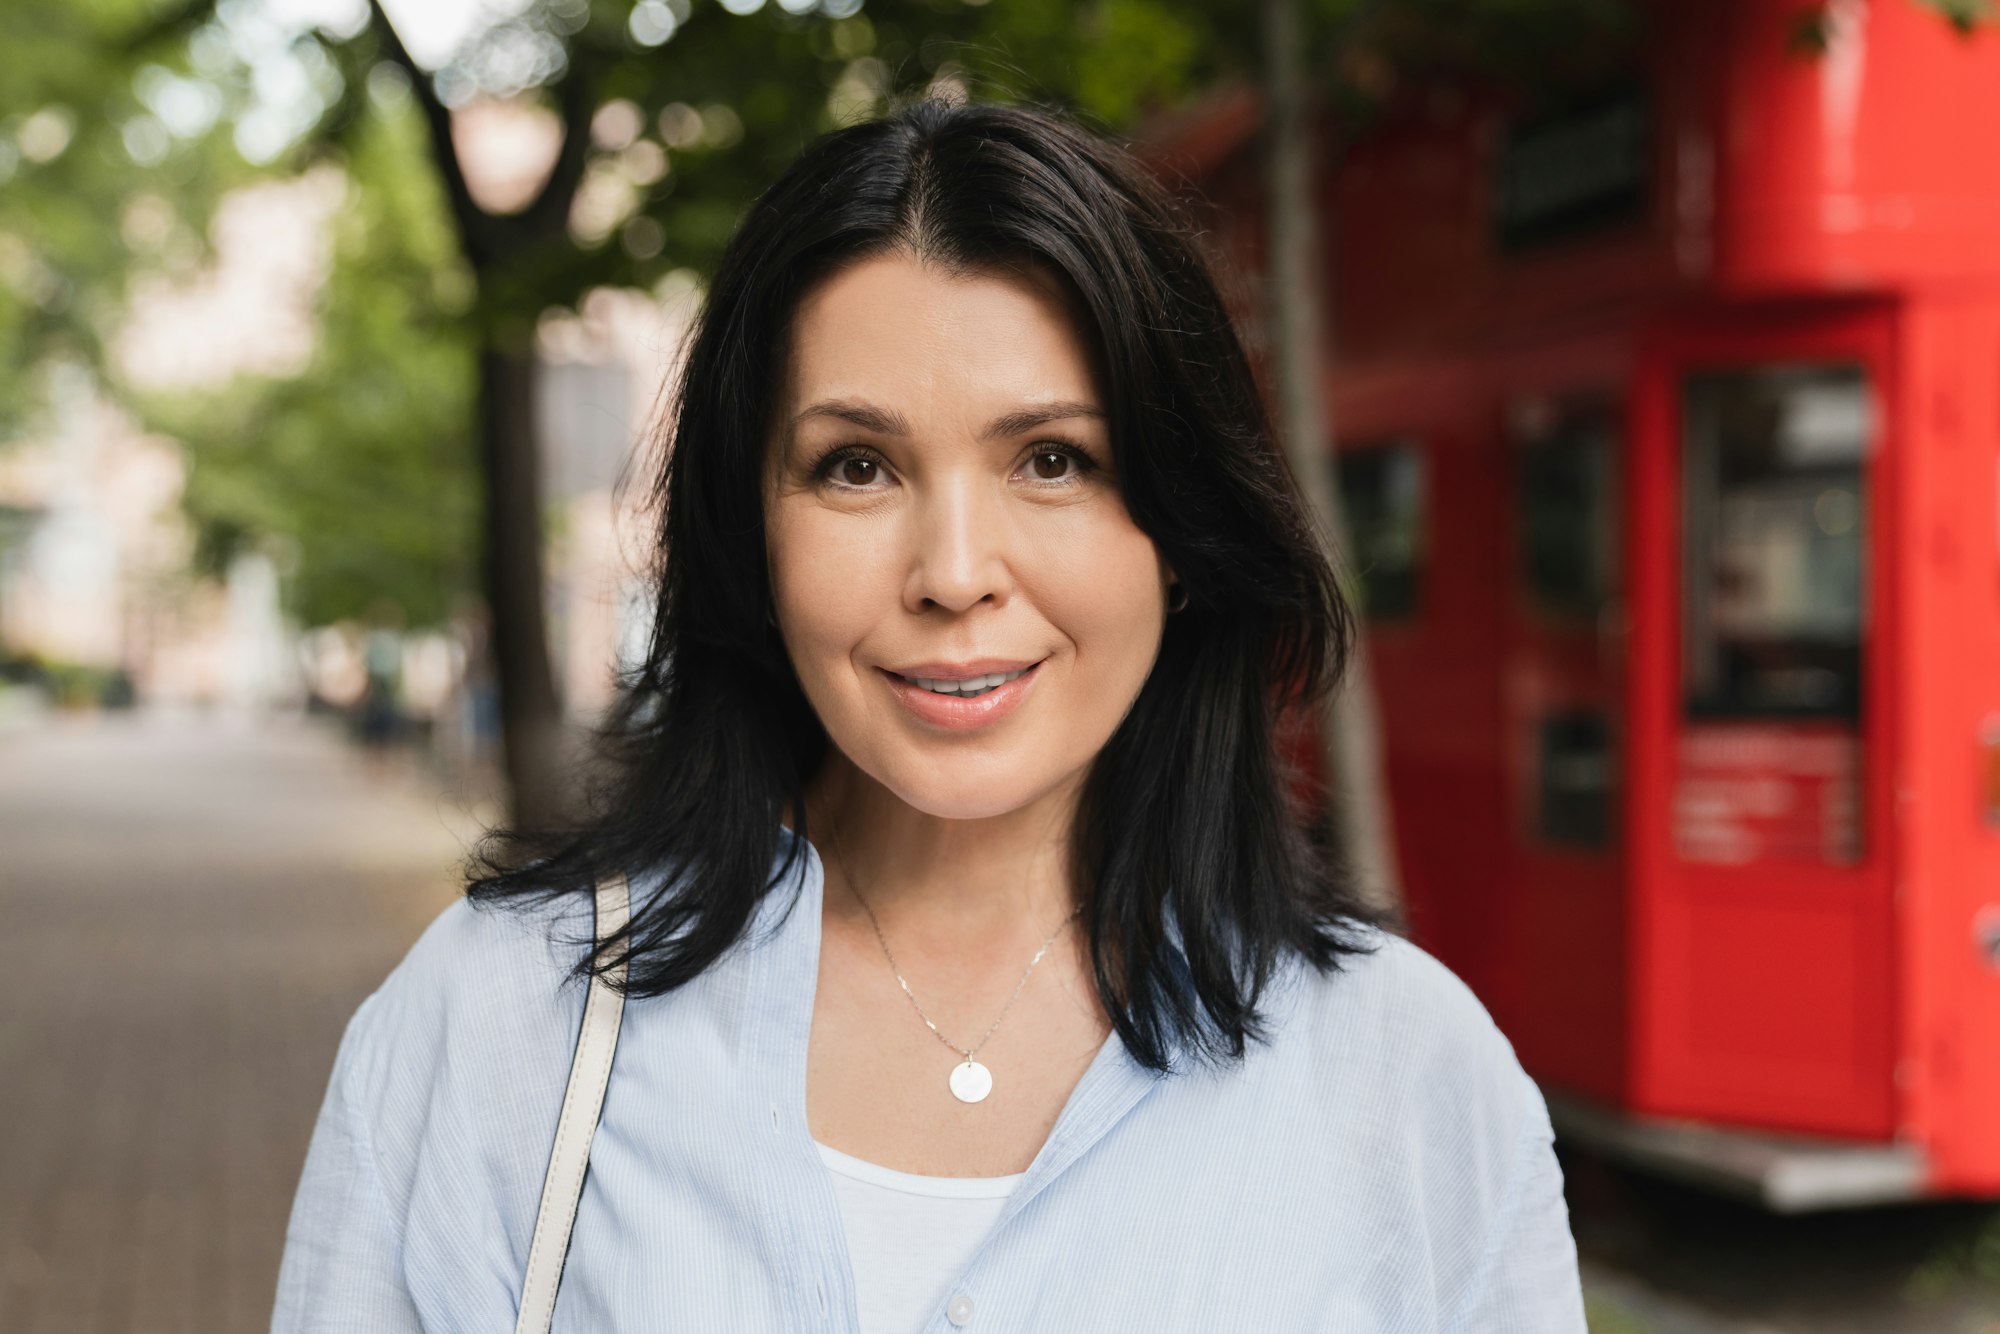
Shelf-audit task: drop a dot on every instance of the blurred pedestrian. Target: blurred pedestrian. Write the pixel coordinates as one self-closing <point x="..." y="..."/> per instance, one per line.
<point x="378" y="713"/>
<point x="978" y="968"/>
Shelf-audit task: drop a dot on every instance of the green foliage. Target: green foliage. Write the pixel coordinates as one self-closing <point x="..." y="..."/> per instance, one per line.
<point x="1604" y="1315"/>
<point x="94" y="185"/>
<point x="1964" y="15"/>
<point x="70" y="685"/>
<point x="1967" y="1259"/>
<point x="361" y="467"/>
<point x="723" y="106"/>
<point x="726" y="101"/>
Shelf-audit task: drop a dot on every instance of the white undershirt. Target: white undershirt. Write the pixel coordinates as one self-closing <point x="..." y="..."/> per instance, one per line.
<point x="909" y="1236"/>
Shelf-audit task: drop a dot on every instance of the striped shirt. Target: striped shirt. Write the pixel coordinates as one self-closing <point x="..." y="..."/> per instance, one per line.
<point x="1381" y="1163"/>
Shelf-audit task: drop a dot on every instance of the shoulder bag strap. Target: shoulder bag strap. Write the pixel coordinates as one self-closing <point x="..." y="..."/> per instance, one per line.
<point x="583" y="1100"/>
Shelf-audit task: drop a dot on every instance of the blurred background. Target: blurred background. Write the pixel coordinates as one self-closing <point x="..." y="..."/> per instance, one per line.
<point x="1641" y="358"/>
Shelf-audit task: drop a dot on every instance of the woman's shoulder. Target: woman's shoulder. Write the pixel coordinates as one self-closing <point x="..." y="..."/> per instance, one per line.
<point x="495" y="980"/>
<point x="489" y="955"/>
<point x="1431" y="1128"/>
<point x="448" y="1080"/>
<point x="1392" y="1022"/>
<point x="1390" y="979"/>
<point x="485" y="988"/>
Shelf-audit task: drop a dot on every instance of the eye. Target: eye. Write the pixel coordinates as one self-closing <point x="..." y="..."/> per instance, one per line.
<point x="1051" y="464"/>
<point x="857" y="471"/>
<point x="1057" y="463"/>
<point x="848" y="468"/>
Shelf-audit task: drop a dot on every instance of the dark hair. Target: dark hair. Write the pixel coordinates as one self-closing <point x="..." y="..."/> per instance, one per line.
<point x="1190" y="825"/>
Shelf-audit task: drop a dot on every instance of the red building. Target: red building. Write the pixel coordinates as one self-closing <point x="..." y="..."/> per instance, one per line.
<point x="1669" y="423"/>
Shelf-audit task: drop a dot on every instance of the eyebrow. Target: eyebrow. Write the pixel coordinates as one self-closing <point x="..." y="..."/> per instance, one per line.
<point x="887" y="421"/>
<point x="1027" y="419"/>
<point x="884" y="421"/>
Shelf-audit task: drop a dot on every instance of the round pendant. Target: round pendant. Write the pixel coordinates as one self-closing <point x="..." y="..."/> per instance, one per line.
<point x="970" y="1081"/>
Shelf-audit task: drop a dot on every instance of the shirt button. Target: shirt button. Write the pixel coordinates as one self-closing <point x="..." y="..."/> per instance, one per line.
<point x="959" y="1310"/>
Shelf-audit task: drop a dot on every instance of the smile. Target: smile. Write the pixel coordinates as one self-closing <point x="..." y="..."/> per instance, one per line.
<point x="964" y="704"/>
<point x="970" y="688"/>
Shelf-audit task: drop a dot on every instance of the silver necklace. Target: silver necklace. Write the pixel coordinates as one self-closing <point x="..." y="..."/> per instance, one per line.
<point x="970" y="1081"/>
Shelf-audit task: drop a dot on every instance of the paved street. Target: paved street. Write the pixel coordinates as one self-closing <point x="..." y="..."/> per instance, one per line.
<point x="188" y="915"/>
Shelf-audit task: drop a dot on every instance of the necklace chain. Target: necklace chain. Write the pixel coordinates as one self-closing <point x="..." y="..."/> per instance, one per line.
<point x="966" y="1052"/>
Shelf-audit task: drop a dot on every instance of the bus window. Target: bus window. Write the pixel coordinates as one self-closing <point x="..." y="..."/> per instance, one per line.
<point x="1566" y="521"/>
<point x="1568" y="510"/>
<point x="1575" y="772"/>
<point x="1774" y="508"/>
<point x="1381" y="492"/>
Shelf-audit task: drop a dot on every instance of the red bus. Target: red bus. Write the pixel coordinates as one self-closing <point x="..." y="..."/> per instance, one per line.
<point x="1668" y="420"/>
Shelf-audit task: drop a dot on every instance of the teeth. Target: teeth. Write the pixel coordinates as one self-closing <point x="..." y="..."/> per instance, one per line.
<point x="973" y="685"/>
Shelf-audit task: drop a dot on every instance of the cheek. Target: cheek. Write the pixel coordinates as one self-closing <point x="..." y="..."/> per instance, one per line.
<point x="828" y="582"/>
<point x="1100" y="586"/>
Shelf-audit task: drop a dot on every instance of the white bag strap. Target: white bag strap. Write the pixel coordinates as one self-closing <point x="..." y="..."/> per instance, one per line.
<point x="583" y="1101"/>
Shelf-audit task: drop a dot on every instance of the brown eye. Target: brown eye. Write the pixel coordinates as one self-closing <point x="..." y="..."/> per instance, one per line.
<point x="857" y="472"/>
<point x="1050" y="464"/>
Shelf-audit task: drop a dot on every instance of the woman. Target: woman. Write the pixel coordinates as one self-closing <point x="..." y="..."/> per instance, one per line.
<point x="980" y="971"/>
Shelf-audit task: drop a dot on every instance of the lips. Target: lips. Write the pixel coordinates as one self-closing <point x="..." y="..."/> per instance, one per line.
<point x="970" y="687"/>
<point x="960" y="699"/>
<point x="940" y="670"/>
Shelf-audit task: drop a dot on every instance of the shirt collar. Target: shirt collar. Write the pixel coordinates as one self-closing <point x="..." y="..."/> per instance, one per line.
<point x="788" y="925"/>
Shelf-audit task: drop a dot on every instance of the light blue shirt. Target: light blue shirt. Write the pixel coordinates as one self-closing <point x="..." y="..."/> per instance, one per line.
<point x="1382" y="1164"/>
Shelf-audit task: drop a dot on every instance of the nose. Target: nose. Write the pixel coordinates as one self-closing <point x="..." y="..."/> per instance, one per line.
<point x="959" y="555"/>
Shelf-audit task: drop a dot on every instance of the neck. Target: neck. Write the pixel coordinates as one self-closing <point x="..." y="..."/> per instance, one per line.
<point x="992" y="877"/>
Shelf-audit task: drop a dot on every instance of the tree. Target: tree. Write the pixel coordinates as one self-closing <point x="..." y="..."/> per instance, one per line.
<point x="361" y="464"/>
<point x="1362" y="38"/>
<point x="1350" y="728"/>
<point x="109" y="151"/>
<point x="116" y="118"/>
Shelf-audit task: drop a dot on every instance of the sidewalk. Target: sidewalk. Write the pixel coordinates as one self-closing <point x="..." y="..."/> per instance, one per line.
<point x="189" y="912"/>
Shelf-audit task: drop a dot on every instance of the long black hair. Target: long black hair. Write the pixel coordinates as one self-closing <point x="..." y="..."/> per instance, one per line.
<point x="1193" y="853"/>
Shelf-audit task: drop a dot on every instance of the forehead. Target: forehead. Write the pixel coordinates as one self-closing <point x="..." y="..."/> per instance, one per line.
<point x="895" y="327"/>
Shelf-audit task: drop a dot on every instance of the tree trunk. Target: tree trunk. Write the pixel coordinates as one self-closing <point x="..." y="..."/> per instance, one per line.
<point x="1350" y="728"/>
<point x="535" y="741"/>
<point x="511" y="568"/>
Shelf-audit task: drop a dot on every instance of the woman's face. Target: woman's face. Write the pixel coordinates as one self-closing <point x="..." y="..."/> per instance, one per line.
<point x="942" y="512"/>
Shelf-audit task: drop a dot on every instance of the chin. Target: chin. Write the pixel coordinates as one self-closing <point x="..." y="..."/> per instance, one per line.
<point x="966" y="788"/>
<point x="951" y="802"/>
<point x="958" y="810"/>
